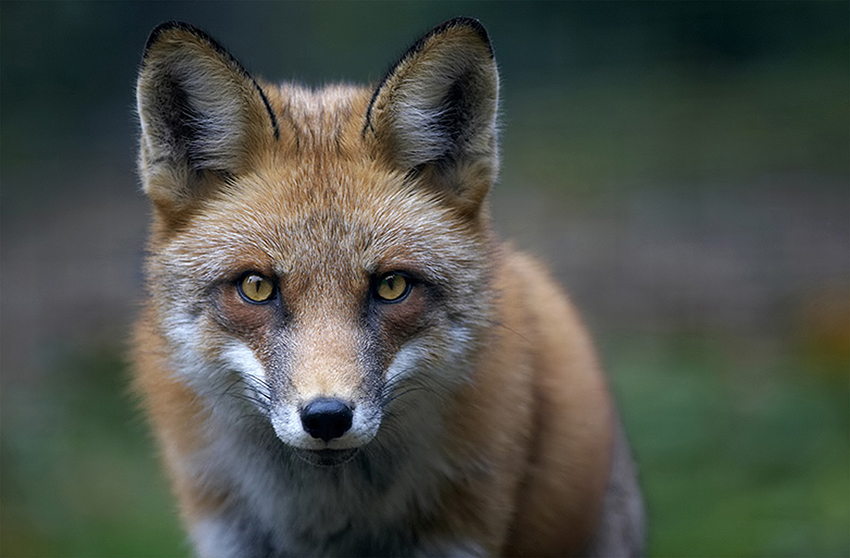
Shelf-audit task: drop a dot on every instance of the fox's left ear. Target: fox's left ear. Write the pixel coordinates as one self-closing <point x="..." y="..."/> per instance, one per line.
<point x="434" y="114"/>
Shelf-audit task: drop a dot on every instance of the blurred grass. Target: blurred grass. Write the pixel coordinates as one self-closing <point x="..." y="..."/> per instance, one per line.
<point x="740" y="454"/>
<point x="79" y="471"/>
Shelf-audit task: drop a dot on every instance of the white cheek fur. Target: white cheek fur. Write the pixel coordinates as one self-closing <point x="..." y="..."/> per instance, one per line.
<point x="405" y="362"/>
<point x="416" y="358"/>
<point x="240" y="358"/>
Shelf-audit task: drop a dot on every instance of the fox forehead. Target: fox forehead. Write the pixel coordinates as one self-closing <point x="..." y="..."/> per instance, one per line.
<point x="319" y="123"/>
<point x="307" y="218"/>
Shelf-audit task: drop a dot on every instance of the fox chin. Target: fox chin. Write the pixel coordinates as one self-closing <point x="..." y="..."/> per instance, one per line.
<point x="337" y="354"/>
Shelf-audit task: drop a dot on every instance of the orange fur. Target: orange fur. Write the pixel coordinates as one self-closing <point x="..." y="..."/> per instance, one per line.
<point x="479" y="419"/>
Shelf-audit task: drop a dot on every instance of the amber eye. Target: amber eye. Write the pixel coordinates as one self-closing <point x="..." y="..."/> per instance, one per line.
<point x="256" y="288"/>
<point x="392" y="287"/>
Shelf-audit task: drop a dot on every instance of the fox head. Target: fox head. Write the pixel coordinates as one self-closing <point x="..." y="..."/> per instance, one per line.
<point x="320" y="257"/>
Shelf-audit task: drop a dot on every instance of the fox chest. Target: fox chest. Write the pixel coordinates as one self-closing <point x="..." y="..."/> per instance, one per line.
<point x="278" y="505"/>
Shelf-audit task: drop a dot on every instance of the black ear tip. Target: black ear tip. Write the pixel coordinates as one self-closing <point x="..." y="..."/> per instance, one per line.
<point x="465" y="21"/>
<point x="167" y="26"/>
<point x="164" y="27"/>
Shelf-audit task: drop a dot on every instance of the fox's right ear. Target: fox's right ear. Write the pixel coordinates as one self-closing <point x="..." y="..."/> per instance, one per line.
<point x="202" y="116"/>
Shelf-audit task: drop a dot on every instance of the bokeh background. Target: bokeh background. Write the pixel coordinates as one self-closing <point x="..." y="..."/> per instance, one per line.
<point x="683" y="166"/>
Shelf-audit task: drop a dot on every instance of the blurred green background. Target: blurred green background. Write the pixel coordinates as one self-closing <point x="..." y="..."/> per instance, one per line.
<point x="684" y="166"/>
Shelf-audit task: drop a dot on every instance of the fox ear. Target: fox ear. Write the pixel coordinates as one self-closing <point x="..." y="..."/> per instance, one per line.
<point x="202" y="115"/>
<point x="434" y="114"/>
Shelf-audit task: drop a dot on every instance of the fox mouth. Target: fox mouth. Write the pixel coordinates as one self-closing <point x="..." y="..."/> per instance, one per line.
<point x="326" y="457"/>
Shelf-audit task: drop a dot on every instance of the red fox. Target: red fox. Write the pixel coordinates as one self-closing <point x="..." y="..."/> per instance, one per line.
<point x="337" y="354"/>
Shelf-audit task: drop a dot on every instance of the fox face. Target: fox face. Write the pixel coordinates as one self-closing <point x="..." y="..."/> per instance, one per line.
<point x="320" y="259"/>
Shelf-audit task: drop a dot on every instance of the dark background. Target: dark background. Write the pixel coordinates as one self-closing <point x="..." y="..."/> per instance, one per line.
<point x="683" y="166"/>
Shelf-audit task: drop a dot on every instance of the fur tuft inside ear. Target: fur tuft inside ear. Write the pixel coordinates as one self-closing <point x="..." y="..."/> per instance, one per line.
<point x="435" y="111"/>
<point x="200" y="112"/>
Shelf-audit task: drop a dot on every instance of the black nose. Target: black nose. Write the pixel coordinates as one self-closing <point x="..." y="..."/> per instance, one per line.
<point x="326" y="418"/>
